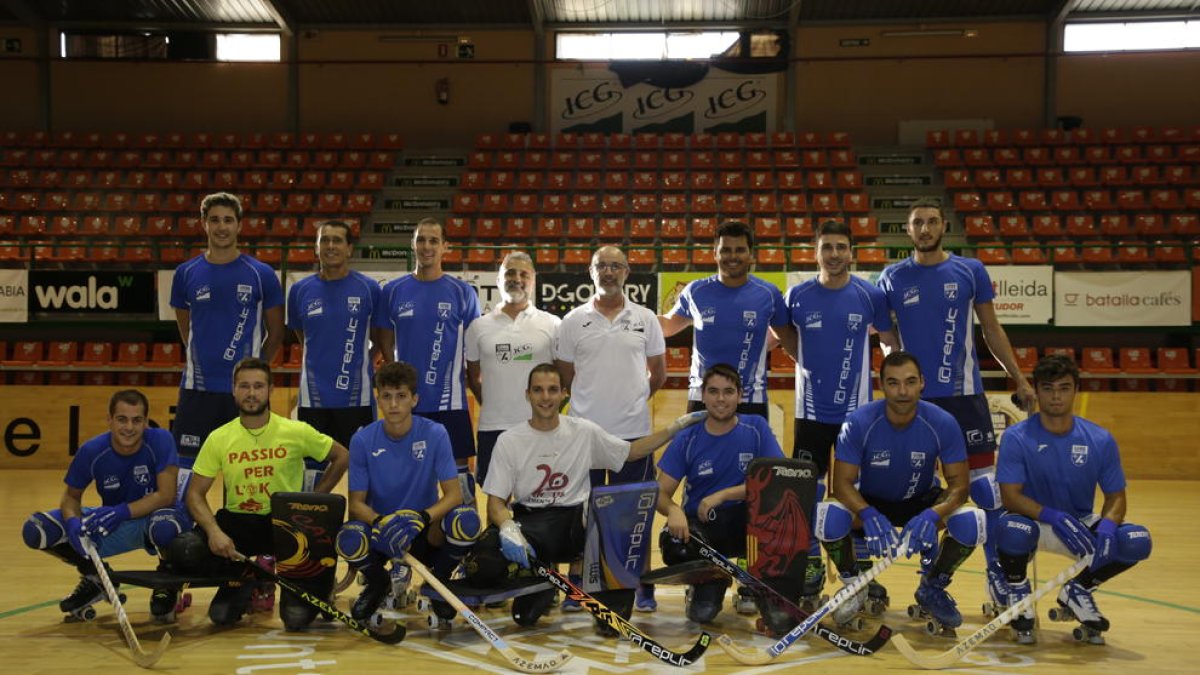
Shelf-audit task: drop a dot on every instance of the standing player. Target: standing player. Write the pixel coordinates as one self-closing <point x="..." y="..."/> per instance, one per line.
<point x="1049" y="468"/>
<point x="832" y="315"/>
<point x="541" y="469"/>
<point x="612" y="357"/>
<point x="256" y="454"/>
<point x="397" y="465"/>
<point x="731" y="313"/>
<point x="933" y="294"/>
<point x="134" y="468"/>
<point x="501" y="348"/>
<point x="884" y="474"/>
<point x="713" y="457"/>
<point x="224" y="300"/>
<point x="426" y="315"/>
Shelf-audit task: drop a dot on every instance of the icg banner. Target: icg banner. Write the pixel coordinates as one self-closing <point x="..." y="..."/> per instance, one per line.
<point x="1123" y="298"/>
<point x="90" y="292"/>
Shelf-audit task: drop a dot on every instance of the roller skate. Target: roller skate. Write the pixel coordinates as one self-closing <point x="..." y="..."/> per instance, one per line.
<point x="814" y="582"/>
<point x="262" y="597"/>
<point x="702" y="602"/>
<point x="165" y="603"/>
<point x="643" y="600"/>
<point x="399" y="595"/>
<point x="80" y="604"/>
<point x="935" y="606"/>
<point x="375" y="591"/>
<point x="568" y="605"/>
<point x="877" y="599"/>
<point x="1022" y="623"/>
<point x="847" y="613"/>
<point x="1075" y="603"/>
<point x="230" y="602"/>
<point x="998" y="593"/>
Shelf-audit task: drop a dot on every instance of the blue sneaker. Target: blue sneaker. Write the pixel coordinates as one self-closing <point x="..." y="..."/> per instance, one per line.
<point x="569" y="605"/>
<point x="643" y="599"/>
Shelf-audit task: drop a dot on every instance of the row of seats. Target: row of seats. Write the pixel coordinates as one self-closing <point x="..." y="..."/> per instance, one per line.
<point x="202" y="159"/>
<point x="669" y="141"/>
<point x="1050" y="226"/>
<point x="841" y="158"/>
<point x="181" y="202"/>
<point x="1096" y="199"/>
<point x="1147" y="372"/>
<point x="729" y="203"/>
<point x="1088" y="253"/>
<point x="169" y="180"/>
<point x="100" y="226"/>
<point x="132" y="252"/>
<point x="1068" y="156"/>
<point x="970" y="138"/>
<point x="620" y="181"/>
<point x="616" y="229"/>
<point x="171" y="140"/>
<point x="1113" y="176"/>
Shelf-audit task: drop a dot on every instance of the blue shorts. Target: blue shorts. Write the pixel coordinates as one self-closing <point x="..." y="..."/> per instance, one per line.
<point x="458" y="425"/>
<point x="197" y="414"/>
<point x="975" y="418"/>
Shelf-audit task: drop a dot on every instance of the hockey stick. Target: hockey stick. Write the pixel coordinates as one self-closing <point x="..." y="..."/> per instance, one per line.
<point x="758" y="657"/>
<point x="141" y="657"/>
<point x="618" y="623"/>
<point x="391" y="638"/>
<point x="881" y="637"/>
<point x="515" y="660"/>
<point x="955" y="653"/>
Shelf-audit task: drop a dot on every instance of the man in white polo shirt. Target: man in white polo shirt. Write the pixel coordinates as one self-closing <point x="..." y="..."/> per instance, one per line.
<point x="501" y="348"/>
<point x="612" y="357"/>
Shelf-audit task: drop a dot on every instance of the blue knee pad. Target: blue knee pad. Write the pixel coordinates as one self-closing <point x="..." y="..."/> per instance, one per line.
<point x="165" y="525"/>
<point x="985" y="491"/>
<point x="353" y="542"/>
<point x="832" y="521"/>
<point x="43" y="530"/>
<point x="1017" y="535"/>
<point x="462" y="525"/>
<point x="968" y="526"/>
<point x="1133" y="544"/>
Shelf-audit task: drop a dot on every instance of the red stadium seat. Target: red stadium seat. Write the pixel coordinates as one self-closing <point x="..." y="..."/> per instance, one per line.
<point x="1137" y="360"/>
<point x="1098" y="360"/>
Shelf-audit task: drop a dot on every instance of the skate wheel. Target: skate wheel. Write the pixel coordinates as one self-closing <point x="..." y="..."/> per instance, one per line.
<point x="423" y="604"/>
<point x="121" y="598"/>
<point x="438" y="623"/>
<point x="876" y="607"/>
<point x="914" y="611"/>
<point x="1079" y="635"/>
<point x="932" y="627"/>
<point x="1059" y="614"/>
<point x="86" y="614"/>
<point x="989" y="609"/>
<point x="376" y="621"/>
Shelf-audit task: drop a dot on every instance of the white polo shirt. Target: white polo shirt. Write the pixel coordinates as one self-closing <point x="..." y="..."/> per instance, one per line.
<point x="611" y="387"/>
<point x="507" y="350"/>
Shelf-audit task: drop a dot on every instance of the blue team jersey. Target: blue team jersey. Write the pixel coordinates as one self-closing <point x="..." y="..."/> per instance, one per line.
<point x="730" y="326"/>
<point x="226" y="303"/>
<point x="1060" y="471"/>
<point x="336" y="318"/>
<point x="711" y="463"/>
<point x="430" y="319"/>
<point x="934" y="306"/>
<point x="896" y="465"/>
<point x="833" y="373"/>
<point x="401" y="473"/>
<point x="122" y="479"/>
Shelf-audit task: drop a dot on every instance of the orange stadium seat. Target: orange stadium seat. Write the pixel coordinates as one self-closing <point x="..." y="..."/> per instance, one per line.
<point x="1097" y="360"/>
<point x="1137" y="360"/>
<point x="1174" y="361"/>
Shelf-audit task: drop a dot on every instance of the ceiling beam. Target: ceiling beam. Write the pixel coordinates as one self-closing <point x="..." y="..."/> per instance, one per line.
<point x="281" y="16"/>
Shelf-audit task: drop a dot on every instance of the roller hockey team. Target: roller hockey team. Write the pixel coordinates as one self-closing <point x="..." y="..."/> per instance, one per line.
<point x="560" y="495"/>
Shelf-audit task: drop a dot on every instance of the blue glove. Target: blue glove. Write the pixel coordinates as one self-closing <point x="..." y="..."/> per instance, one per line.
<point x="921" y="531"/>
<point x="104" y="520"/>
<point x="881" y="535"/>
<point x="76" y="534"/>
<point x="513" y="544"/>
<point x="1069" y="530"/>
<point x="1106" y="543"/>
<point x="393" y="534"/>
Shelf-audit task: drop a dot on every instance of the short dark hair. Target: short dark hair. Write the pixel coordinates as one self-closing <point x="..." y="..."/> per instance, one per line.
<point x="1054" y="367"/>
<point x="734" y="228"/>
<point x="898" y="358"/>
<point x="542" y="368"/>
<point x="220" y="199"/>
<point x="338" y="223"/>
<point x="834" y="227"/>
<point x="252" y="363"/>
<point x="396" y="374"/>
<point x="128" y="397"/>
<point x="925" y="203"/>
<point x="429" y="220"/>
<point x="724" y="370"/>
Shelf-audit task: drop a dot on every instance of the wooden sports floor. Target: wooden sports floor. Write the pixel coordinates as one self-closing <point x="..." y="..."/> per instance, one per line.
<point x="1154" y="609"/>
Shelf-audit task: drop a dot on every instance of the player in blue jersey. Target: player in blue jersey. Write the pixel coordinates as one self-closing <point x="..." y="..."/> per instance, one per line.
<point x="332" y="313"/>
<point x="398" y="464"/>
<point x="426" y="315"/>
<point x="833" y="315"/>
<point x="1049" y="468"/>
<point x="731" y="314"/>
<point x="935" y="296"/>
<point x="712" y="457"/>
<point x="885" y="475"/>
<point x="228" y="306"/>
<point x="134" y="468"/>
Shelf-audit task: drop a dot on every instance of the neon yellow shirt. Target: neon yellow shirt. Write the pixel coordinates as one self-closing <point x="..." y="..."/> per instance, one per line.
<point x="257" y="464"/>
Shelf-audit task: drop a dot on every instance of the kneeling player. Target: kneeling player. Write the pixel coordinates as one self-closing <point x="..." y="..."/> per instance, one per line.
<point x="257" y="454"/>
<point x="134" y="468"/>
<point x="397" y="465"/>
<point x="712" y="457"/>
<point x="542" y="467"/>
<point x="1048" y="470"/>
<point x="885" y="473"/>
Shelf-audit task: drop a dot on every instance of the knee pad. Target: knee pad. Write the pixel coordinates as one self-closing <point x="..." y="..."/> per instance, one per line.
<point x="486" y="566"/>
<point x="985" y="491"/>
<point x="1017" y="535"/>
<point x="1133" y="544"/>
<point x="462" y="525"/>
<point x="353" y="542"/>
<point x="968" y="526"/>
<point x="188" y="554"/>
<point x="466" y="482"/>
<point x="42" y="530"/>
<point x="832" y="521"/>
<point x="165" y="525"/>
<point x="674" y="551"/>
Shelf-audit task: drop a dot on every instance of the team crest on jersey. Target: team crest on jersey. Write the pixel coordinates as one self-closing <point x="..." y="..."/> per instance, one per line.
<point x="203" y="294"/>
<point x="141" y="474"/>
<point x="950" y="290"/>
<point x="405" y="310"/>
<point x="853" y="322"/>
<point x="507" y="353"/>
<point x="812" y="320"/>
<point x="111" y="483"/>
<point x="243" y="293"/>
<point x="881" y="459"/>
<point x="443" y="310"/>
<point x="1079" y="455"/>
<point x="708" y="314"/>
<point x="918" y="459"/>
<point x="750" y="318"/>
<point x="315" y="308"/>
<point x="418" y="450"/>
<point x="912" y="296"/>
<point x="353" y="303"/>
<point x="744" y="459"/>
<point x="628" y="326"/>
<point x="705" y="468"/>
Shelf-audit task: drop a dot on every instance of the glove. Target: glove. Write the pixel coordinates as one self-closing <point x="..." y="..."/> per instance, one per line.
<point x="105" y="520"/>
<point x="921" y="532"/>
<point x="76" y="534"/>
<point x="684" y="421"/>
<point x="881" y="535"/>
<point x="393" y="534"/>
<point x="1069" y="530"/>
<point x="1106" y="543"/>
<point x="513" y="544"/>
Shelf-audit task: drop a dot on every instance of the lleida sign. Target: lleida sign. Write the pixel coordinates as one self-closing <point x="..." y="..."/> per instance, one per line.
<point x="91" y="292"/>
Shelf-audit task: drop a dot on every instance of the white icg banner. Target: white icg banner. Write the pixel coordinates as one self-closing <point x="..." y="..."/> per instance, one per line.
<point x="1024" y="293"/>
<point x="1123" y="298"/>
<point x="14" y="296"/>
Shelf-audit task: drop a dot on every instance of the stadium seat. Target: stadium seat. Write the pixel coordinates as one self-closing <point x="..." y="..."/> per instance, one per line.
<point x="1137" y="360"/>
<point x="24" y="353"/>
<point x="993" y="253"/>
<point x="165" y="354"/>
<point x="60" y="353"/>
<point x="96" y="354"/>
<point x="1098" y="360"/>
<point x="1028" y="253"/>
<point x="1174" y="361"/>
<point x="1026" y="357"/>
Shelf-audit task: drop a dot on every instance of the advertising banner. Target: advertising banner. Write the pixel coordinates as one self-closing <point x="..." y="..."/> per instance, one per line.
<point x="560" y="292"/>
<point x="1123" y="298"/>
<point x="90" y="292"/>
<point x="1024" y="293"/>
<point x="14" y="289"/>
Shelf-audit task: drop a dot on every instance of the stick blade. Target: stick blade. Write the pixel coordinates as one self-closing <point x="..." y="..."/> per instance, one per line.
<point x="746" y="657"/>
<point x="392" y="638"/>
<point x="147" y="659"/>
<point x="936" y="662"/>
<point x="545" y="664"/>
